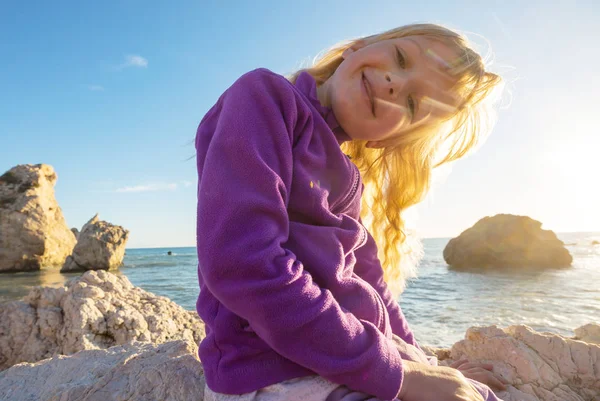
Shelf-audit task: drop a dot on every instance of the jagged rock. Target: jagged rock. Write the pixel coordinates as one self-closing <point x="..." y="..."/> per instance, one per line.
<point x="539" y="366"/>
<point x="506" y="240"/>
<point x="104" y="317"/>
<point x="94" y="311"/>
<point x="136" y="371"/>
<point x="75" y="231"/>
<point x="33" y="232"/>
<point x="589" y="333"/>
<point x="100" y="246"/>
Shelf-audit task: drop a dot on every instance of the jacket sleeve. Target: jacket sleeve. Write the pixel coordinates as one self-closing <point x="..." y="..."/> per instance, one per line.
<point x="243" y="193"/>
<point x="368" y="267"/>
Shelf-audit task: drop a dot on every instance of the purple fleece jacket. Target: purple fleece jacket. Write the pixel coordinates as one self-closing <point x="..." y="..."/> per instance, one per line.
<point x="290" y="282"/>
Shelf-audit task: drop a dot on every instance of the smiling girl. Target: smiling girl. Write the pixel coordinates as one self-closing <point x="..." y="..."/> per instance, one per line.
<point x="296" y="301"/>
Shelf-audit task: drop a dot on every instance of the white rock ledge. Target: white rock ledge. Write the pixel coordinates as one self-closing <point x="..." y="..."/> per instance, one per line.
<point x="135" y="371"/>
<point x="128" y="344"/>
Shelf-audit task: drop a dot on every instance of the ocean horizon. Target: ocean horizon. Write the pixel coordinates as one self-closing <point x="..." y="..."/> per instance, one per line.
<point x="559" y="234"/>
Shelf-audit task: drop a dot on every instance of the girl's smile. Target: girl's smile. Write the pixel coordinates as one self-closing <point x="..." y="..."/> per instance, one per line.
<point x="384" y="89"/>
<point x="366" y="86"/>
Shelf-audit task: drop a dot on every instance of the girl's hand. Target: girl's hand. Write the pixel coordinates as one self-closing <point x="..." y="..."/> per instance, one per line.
<point x="482" y="372"/>
<point x="435" y="383"/>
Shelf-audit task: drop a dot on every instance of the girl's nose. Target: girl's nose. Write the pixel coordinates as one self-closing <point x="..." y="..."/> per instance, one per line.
<point x="394" y="85"/>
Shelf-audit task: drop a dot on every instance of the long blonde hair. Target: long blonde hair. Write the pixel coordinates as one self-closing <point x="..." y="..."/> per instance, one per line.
<point x="397" y="177"/>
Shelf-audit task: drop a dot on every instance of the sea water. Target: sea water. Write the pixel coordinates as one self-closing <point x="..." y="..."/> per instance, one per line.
<point x="439" y="305"/>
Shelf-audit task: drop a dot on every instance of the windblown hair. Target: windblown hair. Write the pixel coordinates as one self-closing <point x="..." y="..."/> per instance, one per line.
<point x="398" y="176"/>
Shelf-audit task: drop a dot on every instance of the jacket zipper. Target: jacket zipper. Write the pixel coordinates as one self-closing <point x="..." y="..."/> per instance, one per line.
<point x="346" y="201"/>
<point x="382" y="312"/>
<point x="381" y="309"/>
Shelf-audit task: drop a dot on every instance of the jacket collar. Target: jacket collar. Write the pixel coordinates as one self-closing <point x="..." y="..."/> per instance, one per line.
<point x="308" y="86"/>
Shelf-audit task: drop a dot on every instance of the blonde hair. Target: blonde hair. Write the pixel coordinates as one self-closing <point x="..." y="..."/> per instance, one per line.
<point x="398" y="176"/>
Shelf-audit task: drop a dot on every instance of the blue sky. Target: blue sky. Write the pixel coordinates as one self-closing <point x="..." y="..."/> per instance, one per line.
<point x="110" y="93"/>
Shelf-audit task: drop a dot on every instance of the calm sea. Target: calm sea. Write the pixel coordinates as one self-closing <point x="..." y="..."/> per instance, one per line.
<point x="440" y="305"/>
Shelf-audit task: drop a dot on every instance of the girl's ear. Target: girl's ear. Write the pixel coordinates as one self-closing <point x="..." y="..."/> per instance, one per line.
<point x="359" y="44"/>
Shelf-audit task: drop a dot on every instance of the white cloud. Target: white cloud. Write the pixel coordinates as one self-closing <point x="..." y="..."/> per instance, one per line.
<point x="134" y="60"/>
<point x="148" y="188"/>
<point x="186" y="183"/>
<point x="96" y="88"/>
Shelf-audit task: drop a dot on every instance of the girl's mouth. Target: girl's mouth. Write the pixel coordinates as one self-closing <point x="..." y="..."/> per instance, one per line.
<point x="369" y="92"/>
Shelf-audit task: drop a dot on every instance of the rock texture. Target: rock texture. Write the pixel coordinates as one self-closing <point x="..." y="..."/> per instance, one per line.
<point x="539" y="366"/>
<point x="100" y="246"/>
<point x="94" y="311"/>
<point x="507" y="240"/>
<point x="590" y="333"/>
<point x="136" y="371"/>
<point x="33" y="232"/>
<point x="137" y="346"/>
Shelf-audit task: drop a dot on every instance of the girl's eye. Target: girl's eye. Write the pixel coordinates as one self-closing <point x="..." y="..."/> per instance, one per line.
<point x="401" y="59"/>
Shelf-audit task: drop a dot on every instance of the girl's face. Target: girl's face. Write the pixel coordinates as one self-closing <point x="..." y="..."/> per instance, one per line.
<point x="390" y="87"/>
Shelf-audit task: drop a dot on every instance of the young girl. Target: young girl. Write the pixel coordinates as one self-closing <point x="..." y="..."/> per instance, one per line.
<point x="291" y="287"/>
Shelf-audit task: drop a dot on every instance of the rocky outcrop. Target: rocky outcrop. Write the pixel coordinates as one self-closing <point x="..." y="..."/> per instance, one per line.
<point x="539" y="366"/>
<point x="506" y="240"/>
<point x="100" y="246"/>
<point x="590" y="333"/>
<point x="33" y="231"/>
<point x="136" y="371"/>
<point x="135" y="345"/>
<point x="97" y="310"/>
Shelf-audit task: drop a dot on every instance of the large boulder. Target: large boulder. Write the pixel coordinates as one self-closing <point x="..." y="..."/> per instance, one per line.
<point x="507" y="240"/>
<point x="538" y="366"/>
<point x="97" y="310"/>
<point x="33" y="232"/>
<point x="100" y="246"/>
<point x="590" y="333"/>
<point x="136" y="371"/>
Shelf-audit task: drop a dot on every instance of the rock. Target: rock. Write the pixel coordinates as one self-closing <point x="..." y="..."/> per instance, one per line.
<point x="97" y="310"/>
<point x="34" y="234"/>
<point x="440" y="353"/>
<point x="75" y="231"/>
<point x="100" y="246"/>
<point x="136" y="371"/>
<point x="539" y="366"/>
<point x="506" y="240"/>
<point x="590" y="333"/>
<point x="108" y="340"/>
